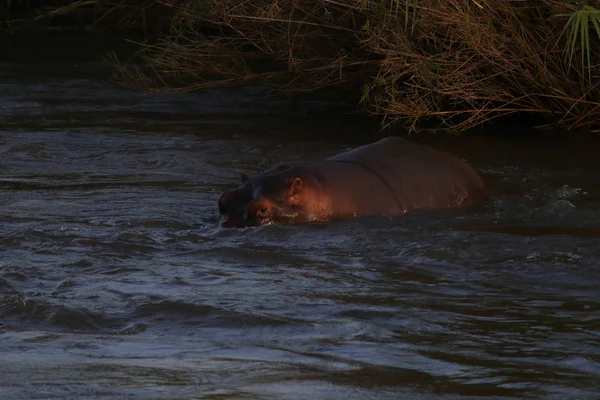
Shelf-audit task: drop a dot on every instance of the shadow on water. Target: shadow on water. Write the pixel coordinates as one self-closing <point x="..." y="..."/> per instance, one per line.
<point x="116" y="282"/>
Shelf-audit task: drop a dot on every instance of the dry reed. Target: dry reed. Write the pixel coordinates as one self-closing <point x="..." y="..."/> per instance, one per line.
<point x="458" y="62"/>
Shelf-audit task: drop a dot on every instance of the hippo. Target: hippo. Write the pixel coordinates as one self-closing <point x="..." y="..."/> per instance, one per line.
<point x="390" y="177"/>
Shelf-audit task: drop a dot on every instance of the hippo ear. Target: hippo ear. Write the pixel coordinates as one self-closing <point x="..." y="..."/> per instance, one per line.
<point x="244" y="177"/>
<point x="296" y="186"/>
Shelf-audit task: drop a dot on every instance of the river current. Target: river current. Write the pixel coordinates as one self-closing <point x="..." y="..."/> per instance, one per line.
<point x="116" y="282"/>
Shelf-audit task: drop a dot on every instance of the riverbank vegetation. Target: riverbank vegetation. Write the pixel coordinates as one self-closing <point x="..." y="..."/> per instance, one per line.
<point x="454" y="63"/>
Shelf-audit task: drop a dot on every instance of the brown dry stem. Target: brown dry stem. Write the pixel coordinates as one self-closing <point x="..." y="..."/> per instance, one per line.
<point x="459" y="62"/>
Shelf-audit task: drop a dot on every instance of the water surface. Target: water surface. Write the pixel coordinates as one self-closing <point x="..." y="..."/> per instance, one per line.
<point x="116" y="282"/>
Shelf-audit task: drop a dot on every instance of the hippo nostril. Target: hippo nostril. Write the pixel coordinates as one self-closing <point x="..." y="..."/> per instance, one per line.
<point x="234" y="220"/>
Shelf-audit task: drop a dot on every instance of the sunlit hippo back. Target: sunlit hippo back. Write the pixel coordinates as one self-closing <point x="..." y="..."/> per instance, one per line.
<point x="390" y="177"/>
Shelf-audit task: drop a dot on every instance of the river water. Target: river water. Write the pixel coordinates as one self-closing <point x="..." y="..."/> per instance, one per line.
<point x="116" y="282"/>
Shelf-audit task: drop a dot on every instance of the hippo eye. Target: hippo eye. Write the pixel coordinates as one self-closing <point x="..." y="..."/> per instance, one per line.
<point x="263" y="211"/>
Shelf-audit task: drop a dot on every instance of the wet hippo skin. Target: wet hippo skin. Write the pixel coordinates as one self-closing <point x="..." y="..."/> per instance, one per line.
<point x="390" y="177"/>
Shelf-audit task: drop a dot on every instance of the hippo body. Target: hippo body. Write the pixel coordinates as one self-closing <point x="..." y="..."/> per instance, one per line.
<point x="390" y="177"/>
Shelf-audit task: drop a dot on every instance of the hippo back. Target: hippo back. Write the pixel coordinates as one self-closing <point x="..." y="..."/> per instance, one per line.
<point x="419" y="176"/>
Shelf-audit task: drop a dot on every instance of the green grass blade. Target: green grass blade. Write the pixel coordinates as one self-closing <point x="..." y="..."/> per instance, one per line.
<point x="582" y="29"/>
<point x="595" y="18"/>
<point x="572" y="40"/>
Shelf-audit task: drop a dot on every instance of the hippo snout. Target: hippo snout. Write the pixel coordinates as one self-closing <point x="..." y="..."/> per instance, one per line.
<point x="232" y="220"/>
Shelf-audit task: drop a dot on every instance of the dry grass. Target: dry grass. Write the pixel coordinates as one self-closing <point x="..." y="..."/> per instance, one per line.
<point x="457" y="62"/>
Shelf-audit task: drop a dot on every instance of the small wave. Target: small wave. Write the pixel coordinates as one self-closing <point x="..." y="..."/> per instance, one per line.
<point x="45" y="184"/>
<point x="207" y="315"/>
<point x="538" y="230"/>
<point x="567" y="192"/>
<point x="23" y="311"/>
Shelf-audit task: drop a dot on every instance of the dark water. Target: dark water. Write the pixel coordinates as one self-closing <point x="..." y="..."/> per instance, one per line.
<point x="115" y="281"/>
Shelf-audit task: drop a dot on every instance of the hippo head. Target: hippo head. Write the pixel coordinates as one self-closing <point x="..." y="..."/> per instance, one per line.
<point x="282" y="195"/>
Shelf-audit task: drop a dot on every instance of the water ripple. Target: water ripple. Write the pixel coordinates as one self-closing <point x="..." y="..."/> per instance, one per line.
<point x="115" y="279"/>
